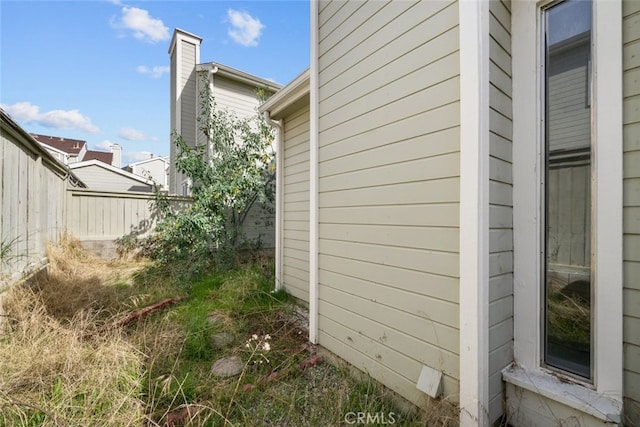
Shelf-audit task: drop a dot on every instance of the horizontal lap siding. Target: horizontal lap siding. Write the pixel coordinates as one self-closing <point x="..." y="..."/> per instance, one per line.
<point x="388" y="184"/>
<point x="173" y="88"/>
<point x="631" y="88"/>
<point x="500" y="199"/>
<point x="101" y="179"/>
<point x="237" y="97"/>
<point x="295" y="255"/>
<point x="184" y="117"/>
<point x="189" y="98"/>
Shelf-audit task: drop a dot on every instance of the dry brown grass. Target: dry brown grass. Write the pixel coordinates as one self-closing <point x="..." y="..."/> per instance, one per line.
<point x="51" y="374"/>
<point x="54" y="370"/>
<point x="59" y="365"/>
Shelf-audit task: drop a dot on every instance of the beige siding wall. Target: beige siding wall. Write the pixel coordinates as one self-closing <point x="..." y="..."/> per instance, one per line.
<point x="31" y="202"/>
<point x="631" y="65"/>
<point x="295" y="255"/>
<point x="101" y="179"/>
<point x="184" y="95"/>
<point x="389" y="189"/>
<point x="237" y="97"/>
<point x="189" y="97"/>
<point x="173" y="177"/>
<point x="260" y="225"/>
<point x="501" y="202"/>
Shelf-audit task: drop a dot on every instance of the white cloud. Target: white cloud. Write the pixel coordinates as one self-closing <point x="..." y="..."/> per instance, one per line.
<point x="104" y="145"/>
<point x="132" y="134"/>
<point x="129" y="157"/>
<point x="143" y="26"/>
<point x="58" y="119"/>
<point x="155" y="72"/>
<point x="245" y="29"/>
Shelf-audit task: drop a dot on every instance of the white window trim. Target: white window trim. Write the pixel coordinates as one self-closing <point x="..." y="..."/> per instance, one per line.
<point x="604" y="398"/>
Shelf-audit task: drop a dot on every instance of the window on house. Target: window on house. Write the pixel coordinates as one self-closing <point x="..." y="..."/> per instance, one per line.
<point x="567" y="276"/>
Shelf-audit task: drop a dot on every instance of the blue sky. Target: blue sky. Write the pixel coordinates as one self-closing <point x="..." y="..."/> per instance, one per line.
<point x="98" y="70"/>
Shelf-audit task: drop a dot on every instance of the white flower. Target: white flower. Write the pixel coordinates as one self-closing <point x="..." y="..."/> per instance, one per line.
<point x="254" y="336"/>
<point x="266" y="346"/>
<point x="267" y="337"/>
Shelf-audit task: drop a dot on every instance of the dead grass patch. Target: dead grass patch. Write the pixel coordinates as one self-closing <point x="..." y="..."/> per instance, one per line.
<point x="52" y="375"/>
<point x="60" y="366"/>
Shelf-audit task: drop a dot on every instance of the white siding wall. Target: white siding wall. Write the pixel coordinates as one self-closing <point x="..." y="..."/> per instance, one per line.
<point x="631" y="65"/>
<point x="101" y="179"/>
<point x="295" y="253"/>
<point x="501" y="202"/>
<point x="31" y="200"/>
<point x="389" y="189"/>
<point x="155" y="169"/>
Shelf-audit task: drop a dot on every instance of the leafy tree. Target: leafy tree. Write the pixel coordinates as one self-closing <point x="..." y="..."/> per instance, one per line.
<point x="230" y="174"/>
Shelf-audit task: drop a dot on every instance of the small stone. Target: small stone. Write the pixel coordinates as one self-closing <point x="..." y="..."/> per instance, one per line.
<point x="215" y="319"/>
<point x="227" y="366"/>
<point x="221" y="340"/>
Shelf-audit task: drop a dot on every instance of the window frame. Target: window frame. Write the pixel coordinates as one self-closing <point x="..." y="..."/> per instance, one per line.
<point x="544" y="194"/>
<point x="528" y="178"/>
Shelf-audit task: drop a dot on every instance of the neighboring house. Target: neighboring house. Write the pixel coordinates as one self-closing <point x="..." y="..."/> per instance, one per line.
<point x="66" y="150"/>
<point x="69" y="151"/>
<point x="233" y="90"/>
<point x="155" y="168"/>
<point x="101" y="176"/>
<point x="459" y="202"/>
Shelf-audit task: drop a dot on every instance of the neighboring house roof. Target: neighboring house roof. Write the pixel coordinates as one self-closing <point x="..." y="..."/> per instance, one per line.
<point x="137" y="183"/>
<point x="102" y="156"/>
<point x="150" y="159"/>
<point x="99" y="163"/>
<point x="221" y="69"/>
<point x="290" y="97"/>
<point x="67" y="145"/>
<point x="54" y="149"/>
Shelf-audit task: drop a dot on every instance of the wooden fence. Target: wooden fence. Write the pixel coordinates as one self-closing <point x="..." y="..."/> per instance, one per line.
<point x="40" y="199"/>
<point x="32" y="199"/>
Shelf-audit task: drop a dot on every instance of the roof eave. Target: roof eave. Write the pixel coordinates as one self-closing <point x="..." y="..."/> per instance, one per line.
<point x="237" y="75"/>
<point x="287" y="96"/>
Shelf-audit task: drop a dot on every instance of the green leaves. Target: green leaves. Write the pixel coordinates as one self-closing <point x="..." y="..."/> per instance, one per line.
<point x="232" y="171"/>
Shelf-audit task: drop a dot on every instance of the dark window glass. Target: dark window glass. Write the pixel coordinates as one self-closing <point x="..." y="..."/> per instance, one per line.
<point x="567" y="189"/>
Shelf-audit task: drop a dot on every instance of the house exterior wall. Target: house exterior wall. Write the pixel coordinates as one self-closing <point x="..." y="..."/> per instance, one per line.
<point x="101" y="179"/>
<point x="388" y="184"/>
<point x="32" y="190"/>
<point x="184" y="98"/>
<point x="631" y="212"/>
<point x="295" y="253"/>
<point x="238" y="97"/>
<point x="500" y="203"/>
<point x="154" y="169"/>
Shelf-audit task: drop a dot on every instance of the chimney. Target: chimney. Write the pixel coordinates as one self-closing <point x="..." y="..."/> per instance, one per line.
<point x="116" y="149"/>
<point x="184" y="55"/>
